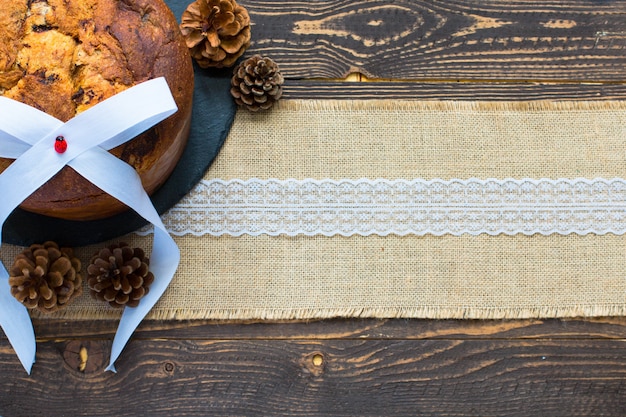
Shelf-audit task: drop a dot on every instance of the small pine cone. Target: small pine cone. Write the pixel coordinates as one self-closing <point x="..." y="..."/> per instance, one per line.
<point x="46" y="277"/>
<point x="217" y="32"/>
<point x="257" y="83"/>
<point x="119" y="275"/>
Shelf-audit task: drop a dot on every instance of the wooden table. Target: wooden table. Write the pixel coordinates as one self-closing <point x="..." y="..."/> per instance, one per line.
<point x="408" y="49"/>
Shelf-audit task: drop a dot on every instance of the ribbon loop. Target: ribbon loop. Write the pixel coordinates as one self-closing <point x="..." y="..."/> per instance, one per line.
<point x="28" y="135"/>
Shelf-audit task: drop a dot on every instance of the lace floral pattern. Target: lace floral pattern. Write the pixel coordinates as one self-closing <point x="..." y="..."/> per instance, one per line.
<point x="382" y="207"/>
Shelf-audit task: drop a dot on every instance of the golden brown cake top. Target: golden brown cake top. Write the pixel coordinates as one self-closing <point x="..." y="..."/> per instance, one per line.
<point x="64" y="56"/>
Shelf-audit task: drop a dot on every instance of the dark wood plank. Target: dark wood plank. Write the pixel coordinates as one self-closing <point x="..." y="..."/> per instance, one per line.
<point x="326" y="377"/>
<point x="578" y="40"/>
<point x="341" y="329"/>
<point x="380" y="90"/>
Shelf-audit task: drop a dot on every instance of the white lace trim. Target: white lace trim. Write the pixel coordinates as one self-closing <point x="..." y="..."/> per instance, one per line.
<point x="402" y="207"/>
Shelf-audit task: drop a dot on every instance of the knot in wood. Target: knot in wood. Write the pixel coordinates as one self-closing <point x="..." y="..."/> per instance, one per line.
<point x="314" y="363"/>
<point x="83" y="356"/>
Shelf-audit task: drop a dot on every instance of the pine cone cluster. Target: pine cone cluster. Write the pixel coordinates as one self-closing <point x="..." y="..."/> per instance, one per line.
<point x="45" y="277"/>
<point x="119" y="275"/>
<point x="217" y="32"/>
<point x="257" y="83"/>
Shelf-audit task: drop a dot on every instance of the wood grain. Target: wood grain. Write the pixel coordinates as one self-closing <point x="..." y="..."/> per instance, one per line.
<point x="328" y="377"/>
<point x="337" y="367"/>
<point x="443" y="40"/>
<point x="359" y="329"/>
<point x="384" y="90"/>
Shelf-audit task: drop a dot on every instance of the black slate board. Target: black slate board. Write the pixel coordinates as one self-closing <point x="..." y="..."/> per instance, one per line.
<point x="212" y="115"/>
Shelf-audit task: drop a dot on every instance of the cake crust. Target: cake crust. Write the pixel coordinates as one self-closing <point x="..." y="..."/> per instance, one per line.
<point x="65" y="56"/>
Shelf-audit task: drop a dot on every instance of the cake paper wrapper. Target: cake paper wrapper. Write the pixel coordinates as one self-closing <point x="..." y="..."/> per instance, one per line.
<point x="28" y="136"/>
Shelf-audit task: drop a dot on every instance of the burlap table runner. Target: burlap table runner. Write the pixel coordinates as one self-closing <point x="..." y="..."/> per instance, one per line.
<point x="448" y="276"/>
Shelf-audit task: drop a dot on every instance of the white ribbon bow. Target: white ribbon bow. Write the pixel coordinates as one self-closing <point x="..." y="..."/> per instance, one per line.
<point x="28" y="136"/>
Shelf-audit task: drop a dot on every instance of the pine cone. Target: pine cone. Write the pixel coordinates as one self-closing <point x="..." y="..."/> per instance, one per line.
<point x="257" y="83"/>
<point x="46" y="277"/>
<point x="217" y="32"/>
<point x="119" y="275"/>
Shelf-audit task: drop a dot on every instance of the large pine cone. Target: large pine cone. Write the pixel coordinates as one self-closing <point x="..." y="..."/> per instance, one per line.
<point x="119" y="275"/>
<point x="217" y="32"/>
<point x="257" y="83"/>
<point x="46" y="277"/>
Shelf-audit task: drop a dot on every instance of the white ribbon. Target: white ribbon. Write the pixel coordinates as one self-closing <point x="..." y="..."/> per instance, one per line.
<point x="28" y="135"/>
